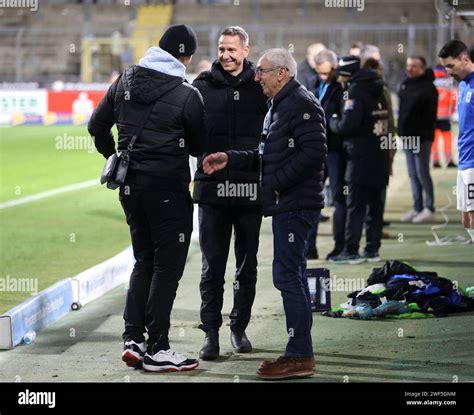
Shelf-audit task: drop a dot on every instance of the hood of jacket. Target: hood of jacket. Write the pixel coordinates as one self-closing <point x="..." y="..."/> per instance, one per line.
<point x="156" y="74"/>
<point x="428" y="76"/>
<point x="368" y="81"/>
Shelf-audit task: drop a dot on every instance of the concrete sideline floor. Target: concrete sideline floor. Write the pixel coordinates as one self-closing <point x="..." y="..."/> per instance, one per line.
<point x="85" y="346"/>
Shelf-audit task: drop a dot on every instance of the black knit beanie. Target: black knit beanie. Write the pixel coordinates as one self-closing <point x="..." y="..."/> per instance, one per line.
<point x="179" y="40"/>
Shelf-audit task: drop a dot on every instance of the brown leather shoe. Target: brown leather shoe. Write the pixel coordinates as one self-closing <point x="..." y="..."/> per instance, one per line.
<point x="286" y="367"/>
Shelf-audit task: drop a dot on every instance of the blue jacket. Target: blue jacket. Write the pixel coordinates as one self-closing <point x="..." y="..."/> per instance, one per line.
<point x="466" y="123"/>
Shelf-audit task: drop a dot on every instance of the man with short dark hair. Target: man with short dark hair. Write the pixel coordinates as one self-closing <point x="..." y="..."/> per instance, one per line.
<point x="235" y="108"/>
<point x="155" y="196"/>
<point x="455" y="58"/>
<point x="416" y="127"/>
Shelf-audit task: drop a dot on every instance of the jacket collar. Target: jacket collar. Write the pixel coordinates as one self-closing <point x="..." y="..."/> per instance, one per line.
<point x="286" y="90"/>
<point x="219" y="75"/>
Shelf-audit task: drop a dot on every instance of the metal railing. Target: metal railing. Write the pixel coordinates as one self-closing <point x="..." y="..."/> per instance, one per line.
<point x="25" y="61"/>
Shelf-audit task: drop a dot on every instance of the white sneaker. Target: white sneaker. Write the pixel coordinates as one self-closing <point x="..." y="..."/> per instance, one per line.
<point x="408" y="217"/>
<point x="168" y="361"/>
<point x="425" y="216"/>
<point x="133" y="353"/>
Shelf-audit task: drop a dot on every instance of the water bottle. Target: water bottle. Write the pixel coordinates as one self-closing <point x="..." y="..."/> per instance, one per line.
<point x="29" y="337"/>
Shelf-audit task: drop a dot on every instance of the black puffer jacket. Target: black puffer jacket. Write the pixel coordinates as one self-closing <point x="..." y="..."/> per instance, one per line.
<point x="364" y="126"/>
<point x="418" y="107"/>
<point x="174" y="129"/>
<point x="331" y="103"/>
<point x="235" y="109"/>
<point x="293" y="153"/>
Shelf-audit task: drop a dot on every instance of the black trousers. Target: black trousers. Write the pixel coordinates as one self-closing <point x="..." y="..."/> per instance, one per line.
<point x="364" y="204"/>
<point x="161" y="223"/>
<point x="215" y="230"/>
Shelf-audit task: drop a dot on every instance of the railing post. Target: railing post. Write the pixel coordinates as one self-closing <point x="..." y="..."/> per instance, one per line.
<point x="19" y="55"/>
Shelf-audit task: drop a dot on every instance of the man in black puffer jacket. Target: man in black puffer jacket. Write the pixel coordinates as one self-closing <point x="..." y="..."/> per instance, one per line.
<point x="155" y="196"/>
<point x="290" y="157"/>
<point x="364" y="126"/>
<point x="235" y="109"/>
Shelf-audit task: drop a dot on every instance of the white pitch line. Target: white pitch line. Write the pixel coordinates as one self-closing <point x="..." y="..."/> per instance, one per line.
<point x="49" y="193"/>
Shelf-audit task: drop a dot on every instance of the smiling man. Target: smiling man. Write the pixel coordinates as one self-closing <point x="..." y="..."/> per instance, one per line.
<point x="290" y="158"/>
<point x="235" y="108"/>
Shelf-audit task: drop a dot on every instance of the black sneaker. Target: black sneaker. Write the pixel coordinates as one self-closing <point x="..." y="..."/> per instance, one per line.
<point x="346" y="258"/>
<point x="451" y="165"/>
<point x="133" y="353"/>
<point x="168" y="361"/>
<point x="372" y="256"/>
<point x="333" y="253"/>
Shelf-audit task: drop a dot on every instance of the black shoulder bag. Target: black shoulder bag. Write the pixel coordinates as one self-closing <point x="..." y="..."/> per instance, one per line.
<point x="116" y="166"/>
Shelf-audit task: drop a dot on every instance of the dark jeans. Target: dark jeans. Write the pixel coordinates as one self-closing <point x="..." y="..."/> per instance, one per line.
<point x="161" y="224"/>
<point x="290" y="243"/>
<point x="312" y="238"/>
<point x="337" y="169"/>
<point x="419" y="172"/>
<point x="364" y="204"/>
<point x="215" y="231"/>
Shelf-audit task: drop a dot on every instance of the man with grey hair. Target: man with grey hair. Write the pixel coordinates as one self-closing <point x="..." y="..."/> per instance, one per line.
<point x="369" y="51"/>
<point x="290" y="159"/>
<point x="235" y="109"/>
<point x="307" y="74"/>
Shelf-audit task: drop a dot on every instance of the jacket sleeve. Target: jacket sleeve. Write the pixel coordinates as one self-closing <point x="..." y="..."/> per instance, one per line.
<point x="430" y="110"/>
<point x="194" y="126"/>
<point x="351" y="118"/>
<point x="101" y="122"/>
<point x="246" y="160"/>
<point x="308" y="128"/>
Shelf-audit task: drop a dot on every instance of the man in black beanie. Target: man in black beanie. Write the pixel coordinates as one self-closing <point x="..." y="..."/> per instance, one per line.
<point x="179" y="40"/>
<point x="363" y="125"/>
<point x="155" y="196"/>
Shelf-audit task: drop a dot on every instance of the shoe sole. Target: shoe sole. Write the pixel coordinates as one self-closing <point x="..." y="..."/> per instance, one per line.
<point x="374" y="259"/>
<point x="241" y="350"/>
<point x="356" y="261"/>
<point x="131" y="360"/>
<point x="345" y="262"/>
<point x="293" y="375"/>
<point x="348" y="261"/>
<point x="148" y="368"/>
<point x="208" y="358"/>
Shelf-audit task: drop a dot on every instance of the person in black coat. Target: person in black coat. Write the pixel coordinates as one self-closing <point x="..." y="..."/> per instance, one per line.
<point x="235" y="109"/>
<point x="155" y="196"/>
<point x="364" y="127"/>
<point x="290" y="159"/>
<point x="416" y="128"/>
<point x="330" y="95"/>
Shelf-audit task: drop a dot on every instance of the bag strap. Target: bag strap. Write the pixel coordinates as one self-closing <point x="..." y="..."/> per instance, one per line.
<point x="144" y="119"/>
<point x="139" y="130"/>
